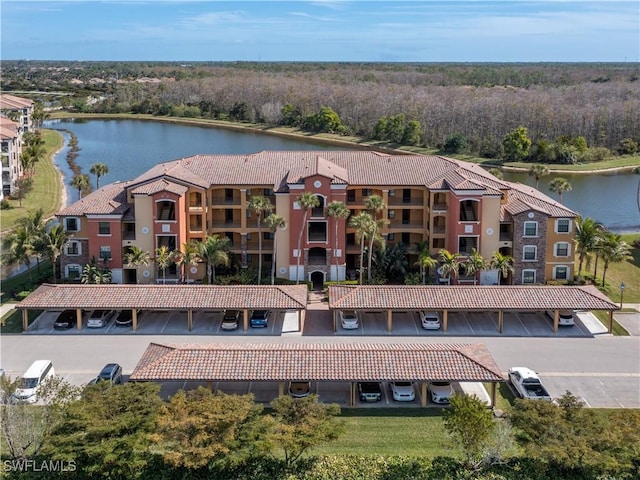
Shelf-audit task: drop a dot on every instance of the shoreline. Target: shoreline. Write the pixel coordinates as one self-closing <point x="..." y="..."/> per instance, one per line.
<point x="315" y="138"/>
<point x="64" y="194"/>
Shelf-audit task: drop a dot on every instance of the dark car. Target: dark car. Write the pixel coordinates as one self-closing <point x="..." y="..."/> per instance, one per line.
<point x="369" y="391"/>
<point x="124" y="318"/>
<point x="111" y="372"/>
<point x="66" y="319"/>
<point x="260" y="318"/>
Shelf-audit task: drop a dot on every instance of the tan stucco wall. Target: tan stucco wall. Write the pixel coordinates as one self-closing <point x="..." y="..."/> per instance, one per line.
<point x="490" y="219"/>
<point x="283" y="246"/>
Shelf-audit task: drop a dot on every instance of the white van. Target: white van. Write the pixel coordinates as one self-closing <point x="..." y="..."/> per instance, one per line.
<point x="565" y="317"/>
<point x="30" y="382"/>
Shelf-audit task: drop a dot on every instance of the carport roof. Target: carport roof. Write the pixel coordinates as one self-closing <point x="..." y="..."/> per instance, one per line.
<point x="316" y="362"/>
<point x="468" y="297"/>
<point x="167" y="297"/>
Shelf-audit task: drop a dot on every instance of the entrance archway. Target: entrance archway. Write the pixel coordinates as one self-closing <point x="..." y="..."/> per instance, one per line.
<point x="317" y="280"/>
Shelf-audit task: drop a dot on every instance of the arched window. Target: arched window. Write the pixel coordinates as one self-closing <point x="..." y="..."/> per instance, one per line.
<point x="166" y="210"/>
<point x="469" y="210"/>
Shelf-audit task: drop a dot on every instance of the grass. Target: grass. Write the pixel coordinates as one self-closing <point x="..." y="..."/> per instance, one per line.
<point x="47" y="186"/>
<point x="11" y="322"/>
<point x="392" y="431"/>
<point x="627" y="272"/>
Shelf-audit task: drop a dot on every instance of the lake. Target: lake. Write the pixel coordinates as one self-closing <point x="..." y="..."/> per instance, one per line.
<point x="130" y="147"/>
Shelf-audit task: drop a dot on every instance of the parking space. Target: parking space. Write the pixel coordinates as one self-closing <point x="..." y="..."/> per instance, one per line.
<point x="320" y="322"/>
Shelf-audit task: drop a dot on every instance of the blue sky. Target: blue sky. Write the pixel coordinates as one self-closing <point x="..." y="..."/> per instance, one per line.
<point x="323" y="30"/>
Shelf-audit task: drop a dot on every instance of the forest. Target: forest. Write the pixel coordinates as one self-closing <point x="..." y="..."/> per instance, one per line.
<point x="459" y="108"/>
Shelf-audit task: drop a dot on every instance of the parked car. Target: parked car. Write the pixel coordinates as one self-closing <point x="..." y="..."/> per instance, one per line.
<point x="441" y="392"/>
<point x="30" y="383"/>
<point x="565" y="317"/>
<point x="230" y="320"/>
<point x="100" y="318"/>
<point x="124" y="318"/>
<point x="430" y="320"/>
<point x="66" y="319"/>
<point x="299" y="389"/>
<point x="528" y="384"/>
<point x="348" y="319"/>
<point x="403" y="391"/>
<point x="369" y="391"/>
<point x="111" y="372"/>
<point x="260" y="318"/>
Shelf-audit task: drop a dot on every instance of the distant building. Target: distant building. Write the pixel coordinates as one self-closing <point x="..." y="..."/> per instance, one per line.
<point x="449" y="204"/>
<point x="15" y="120"/>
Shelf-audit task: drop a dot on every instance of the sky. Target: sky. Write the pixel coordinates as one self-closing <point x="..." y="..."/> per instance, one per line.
<point x="322" y="30"/>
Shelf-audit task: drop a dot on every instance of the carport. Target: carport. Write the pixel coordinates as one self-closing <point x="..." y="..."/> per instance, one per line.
<point x="468" y="298"/>
<point x="283" y="362"/>
<point x="166" y="297"/>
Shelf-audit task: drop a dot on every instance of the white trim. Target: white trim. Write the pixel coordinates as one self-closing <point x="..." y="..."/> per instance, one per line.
<point x="535" y="253"/>
<point x="66" y="269"/>
<point x="534" y="276"/>
<point x="555" y="249"/>
<point x="66" y="248"/>
<point x="524" y="229"/>
<point x="570" y="228"/>
<point x="78" y="224"/>
<point x="104" y="217"/>
<point x="554" y="274"/>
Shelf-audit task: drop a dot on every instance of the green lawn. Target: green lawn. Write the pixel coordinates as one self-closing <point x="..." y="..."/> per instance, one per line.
<point x="392" y="431"/>
<point x="617" y="273"/>
<point x="47" y="186"/>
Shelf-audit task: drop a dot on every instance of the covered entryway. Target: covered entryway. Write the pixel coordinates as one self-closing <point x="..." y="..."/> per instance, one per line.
<point x="317" y="280"/>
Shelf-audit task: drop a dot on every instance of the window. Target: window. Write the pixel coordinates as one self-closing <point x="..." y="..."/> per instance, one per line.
<point x="406" y="217"/>
<point x="530" y="229"/>
<point x="528" y="276"/>
<point x="317" y="231"/>
<point x="406" y="195"/>
<point x="71" y="224"/>
<point x="391" y="237"/>
<point x="104" y="228"/>
<point x="268" y="236"/>
<point x="406" y="238"/>
<point x="562" y="249"/>
<point x="366" y="192"/>
<point x="73" y="272"/>
<point x="268" y="192"/>
<point x="563" y="225"/>
<point x="466" y="245"/>
<point x="561" y="272"/>
<point x="469" y="211"/>
<point x="351" y="195"/>
<point x="73" y="248"/>
<point x="105" y="252"/>
<point x="166" y="210"/>
<point x="529" y="252"/>
<point x="392" y="214"/>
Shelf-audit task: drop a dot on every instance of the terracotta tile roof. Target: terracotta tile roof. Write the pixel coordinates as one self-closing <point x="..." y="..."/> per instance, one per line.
<point x="468" y="297"/>
<point x="11" y="102"/>
<point x="317" y="362"/>
<point x="535" y="200"/>
<point x="160" y="185"/>
<point x="8" y="128"/>
<point x="108" y="200"/>
<point x="167" y="297"/>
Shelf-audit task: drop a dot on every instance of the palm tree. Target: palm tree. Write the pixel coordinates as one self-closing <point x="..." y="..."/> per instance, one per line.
<point x="538" y="171"/>
<point x="136" y="257"/>
<point x="275" y="223"/>
<point x="588" y="231"/>
<point x="17" y="248"/>
<point x="39" y="114"/>
<point x="81" y="183"/>
<point x="94" y="273"/>
<point x="614" y="250"/>
<point x="375" y="204"/>
<point x="163" y="260"/>
<point x="425" y="261"/>
<point x="34" y="225"/>
<point x="99" y="170"/>
<point x="187" y="256"/>
<point x="502" y="263"/>
<point x="391" y="263"/>
<point x="54" y="241"/>
<point x="473" y="264"/>
<point x="337" y="210"/>
<point x="33" y="150"/>
<point x="450" y="264"/>
<point x="261" y="206"/>
<point x="560" y="185"/>
<point x="307" y="201"/>
<point x="363" y="223"/>
<point x="214" y="251"/>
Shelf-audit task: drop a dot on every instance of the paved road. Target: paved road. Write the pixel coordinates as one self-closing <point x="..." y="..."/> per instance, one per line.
<point x="603" y="370"/>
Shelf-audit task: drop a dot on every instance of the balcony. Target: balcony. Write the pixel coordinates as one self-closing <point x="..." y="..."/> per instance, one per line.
<point x="440" y="207"/>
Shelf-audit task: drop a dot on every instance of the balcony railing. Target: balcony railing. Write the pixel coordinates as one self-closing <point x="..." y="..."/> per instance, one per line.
<point x="440" y="207"/>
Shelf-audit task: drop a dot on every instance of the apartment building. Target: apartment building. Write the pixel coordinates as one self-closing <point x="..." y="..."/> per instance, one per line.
<point x="15" y="120"/>
<point x="447" y="203"/>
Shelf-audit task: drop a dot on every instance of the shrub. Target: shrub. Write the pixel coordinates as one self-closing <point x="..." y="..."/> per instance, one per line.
<point x="4" y="204"/>
<point x="594" y="154"/>
<point x="627" y="147"/>
<point x="456" y="143"/>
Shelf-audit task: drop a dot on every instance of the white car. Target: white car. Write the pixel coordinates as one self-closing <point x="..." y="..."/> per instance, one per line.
<point x="100" y="318"/>
<point x="349" y="319"/>
<point x="441" y="392"/>
<point x="430" y="320"/>
<point x="403" y="391"/>
<point x="565" y="317"/>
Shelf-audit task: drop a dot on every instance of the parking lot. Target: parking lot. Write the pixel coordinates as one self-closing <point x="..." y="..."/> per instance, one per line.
<point x="319" y="322"/>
